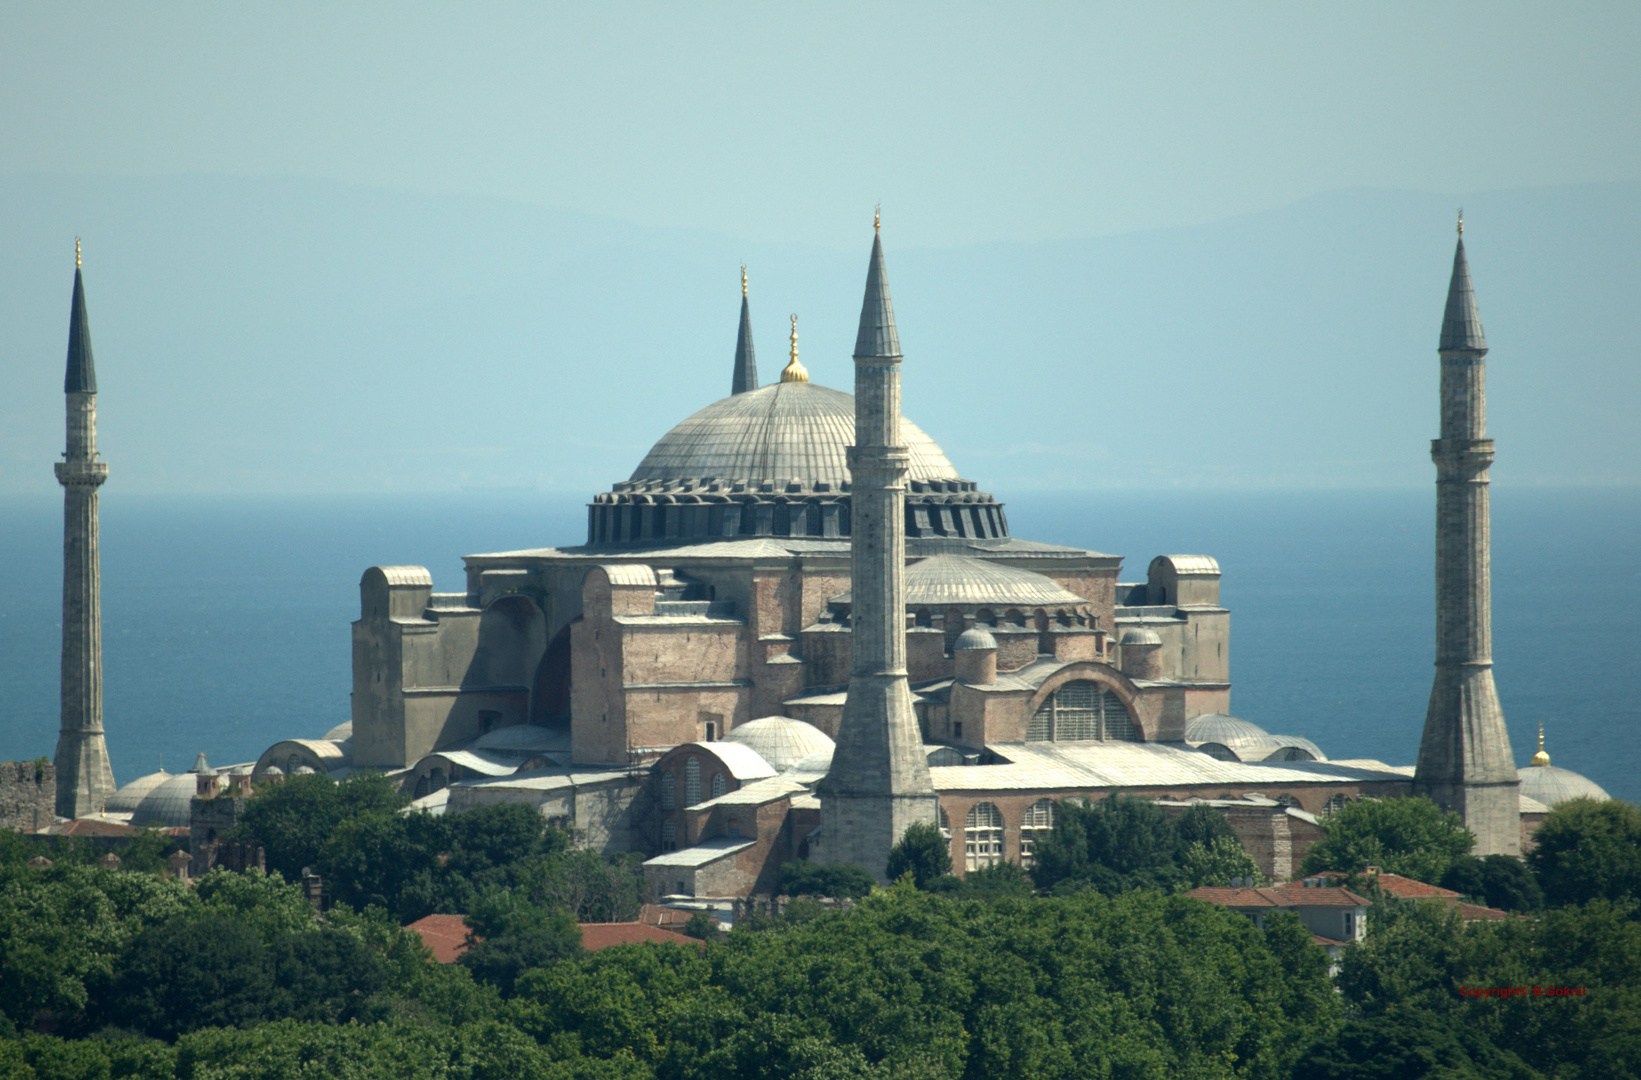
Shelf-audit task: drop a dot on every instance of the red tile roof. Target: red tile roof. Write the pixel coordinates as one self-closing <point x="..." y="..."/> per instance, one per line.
<point x="446" y="935"/>
<point x="595" y="936"/>
<point x="660" y="915"/>
<point x="1477" y="913"/>
<point x="1293" y="894"/>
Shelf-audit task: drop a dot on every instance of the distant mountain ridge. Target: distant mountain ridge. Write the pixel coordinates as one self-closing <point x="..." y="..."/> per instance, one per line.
<point x="279" y="335"/>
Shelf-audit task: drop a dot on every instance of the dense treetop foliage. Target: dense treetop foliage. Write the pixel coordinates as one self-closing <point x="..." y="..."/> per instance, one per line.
<point x="1411" y="837"/>
<point x="1090" y="970"/>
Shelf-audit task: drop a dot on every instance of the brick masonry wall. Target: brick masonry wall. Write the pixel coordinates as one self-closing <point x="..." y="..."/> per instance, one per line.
<point x="28" y="795"/>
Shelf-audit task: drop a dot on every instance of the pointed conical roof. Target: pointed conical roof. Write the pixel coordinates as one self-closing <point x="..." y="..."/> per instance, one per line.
<point x="1461" y="325"/>
<point x="877" y="336"/>
<point x="81" y="377"/>
<point x="746" y="361"/>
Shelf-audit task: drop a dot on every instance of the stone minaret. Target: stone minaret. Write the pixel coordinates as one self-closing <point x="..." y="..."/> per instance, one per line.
<point x="879" y="780"/>
<point x="84" y="778"/>
<point x="746" y="363"/>
<point x="1465" y="762"/>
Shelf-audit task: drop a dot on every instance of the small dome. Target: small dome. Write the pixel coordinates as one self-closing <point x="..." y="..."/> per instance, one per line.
<point x="304" y="770"/>
<point x="780" y="740"/>
<point x="273" y="770"/>
<point x="1227" y="730"/>
<point x="1140" y="636"/>
<point x="168" y="805"/>
<point x="1551" y="785"/>
<point x="341" y="732"/>
<point x="127" y="798"/>
<point x="974" y="638"/>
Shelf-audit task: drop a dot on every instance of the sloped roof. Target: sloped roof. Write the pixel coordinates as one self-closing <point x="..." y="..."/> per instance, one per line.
<point x="1461" y="322"/>
<point x="595" y="936"/>
<point x="446" y="935"/>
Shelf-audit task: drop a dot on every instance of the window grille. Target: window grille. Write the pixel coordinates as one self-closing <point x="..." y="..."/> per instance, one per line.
<point x="1082" y="711"/>
<point x="669" y="791"/>
<point x="717" y="784"/>
<point x="1037" y="823"/>
<point x="692" y="781"/>
<point x="669" y="836"/>
<point x="983" y="836"/>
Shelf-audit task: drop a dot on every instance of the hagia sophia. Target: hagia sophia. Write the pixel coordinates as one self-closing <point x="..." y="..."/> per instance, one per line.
<point x="796" y="628"/>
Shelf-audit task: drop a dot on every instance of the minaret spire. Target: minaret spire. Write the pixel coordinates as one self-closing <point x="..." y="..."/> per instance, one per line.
<point x="746" y="362"/>
<point x="878" y="783"/>
<point x="84" y="778"/>
<point x="1465" y="762"/>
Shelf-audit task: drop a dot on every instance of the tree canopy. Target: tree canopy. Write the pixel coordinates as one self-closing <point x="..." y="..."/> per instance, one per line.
<point x="1412" y="837"/>
<point x="1586" y="850"/>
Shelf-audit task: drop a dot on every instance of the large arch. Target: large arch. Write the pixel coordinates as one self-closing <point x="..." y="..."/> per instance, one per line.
<point x="1094" y="671"/>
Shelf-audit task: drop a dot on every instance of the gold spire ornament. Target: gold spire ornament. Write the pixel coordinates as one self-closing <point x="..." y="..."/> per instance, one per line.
<point x="877" y="218"/>
<point x="1543" y="756"/>
<point x="76" y="253"/>
<point x="794" y="371"/>
<point x="1461" y="221"/>
<point x="743" y="279"/>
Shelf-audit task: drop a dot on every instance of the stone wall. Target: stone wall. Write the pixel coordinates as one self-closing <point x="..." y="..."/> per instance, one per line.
<point x="28" y="795"/>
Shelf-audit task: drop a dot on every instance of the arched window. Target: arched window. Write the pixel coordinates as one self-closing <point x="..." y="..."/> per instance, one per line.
<point x="669" y="836"/>
<point x="945" y="825"/>
<point x="669" y="791"/>
<point x="1079" y="711"/>
<point x="1037" y="823"/>
<point x="692" y="781"/>
<point x="982" y="836"/>
<point x="1335" y="804"/>
<point x="436" y="780"/>
<point x="717" y="784"/>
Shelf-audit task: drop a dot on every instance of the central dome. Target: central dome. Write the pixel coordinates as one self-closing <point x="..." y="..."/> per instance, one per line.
<point x="783" y="432"/>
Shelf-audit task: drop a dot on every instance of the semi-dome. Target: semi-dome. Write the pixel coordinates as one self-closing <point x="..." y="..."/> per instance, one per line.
<point x="774" y="462"/>
<point x="1551" y="785"/>
<point x="781" y="432"/>
<point x="1141" y="636"/>
<point x="1224" y="729"/>
<point x="126" y="799"/>
<point x="780" y="740"/>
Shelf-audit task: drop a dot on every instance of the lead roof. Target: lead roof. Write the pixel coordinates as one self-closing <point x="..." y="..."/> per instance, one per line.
<point x="81" y="376"/>
<point x="746" y="361"/>
<point x="877" y="336"/>
<point x="1461" y="323"/>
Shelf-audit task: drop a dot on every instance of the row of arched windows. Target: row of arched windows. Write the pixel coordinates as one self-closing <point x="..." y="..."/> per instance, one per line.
<point x="692" y="785"/>
<point x="983" y="832"/>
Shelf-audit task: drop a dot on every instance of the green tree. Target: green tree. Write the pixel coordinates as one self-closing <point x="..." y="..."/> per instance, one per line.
<point x="1412" y="837"/>
<point x="387" y="859"/>
<point x="294" y="819"/>
<point x="205" y="970"/>
<point x="1499" y="881"/>
<point x="922" y="852"/>
<point x="591" y="887"/>
<point x="1113" y="845"/>
<point x="516" y="937"/>
<point x="1409" y="1044"/>
<point x="1585" y="850"/>
<point x="800" y="877"/>
<point x="1218" y="861"/>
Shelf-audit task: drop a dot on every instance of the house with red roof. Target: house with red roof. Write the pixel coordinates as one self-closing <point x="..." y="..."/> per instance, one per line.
<point x="1334" y="915"/>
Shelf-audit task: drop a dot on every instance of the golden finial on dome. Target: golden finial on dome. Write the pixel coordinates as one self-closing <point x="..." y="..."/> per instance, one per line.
<point x="1543" y="756"/>
<point x="877" y="218"/>
<point x="76" y="253"/>
<point x="743" y="279"/>
<point x="794" y="371"/>
<point x="1461" y="221"/>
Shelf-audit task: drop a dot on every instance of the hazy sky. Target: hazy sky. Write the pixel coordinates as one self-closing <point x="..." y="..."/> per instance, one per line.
<point x="785" y="122"/>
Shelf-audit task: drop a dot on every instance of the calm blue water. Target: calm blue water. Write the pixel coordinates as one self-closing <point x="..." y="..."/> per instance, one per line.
<point x="226" y="621"/>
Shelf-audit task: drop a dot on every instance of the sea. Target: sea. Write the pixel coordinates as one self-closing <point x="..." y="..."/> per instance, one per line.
<point x="226" y="620"/>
